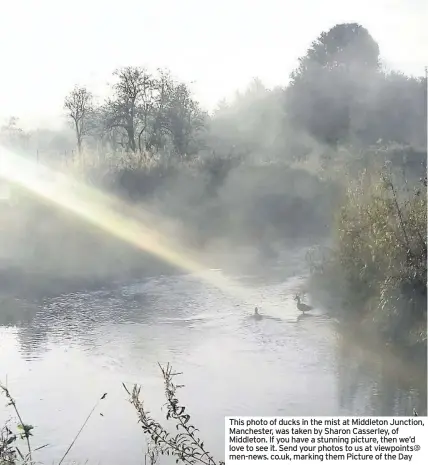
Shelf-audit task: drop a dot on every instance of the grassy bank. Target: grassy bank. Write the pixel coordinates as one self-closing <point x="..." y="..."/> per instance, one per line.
<point x="378" y="256"/>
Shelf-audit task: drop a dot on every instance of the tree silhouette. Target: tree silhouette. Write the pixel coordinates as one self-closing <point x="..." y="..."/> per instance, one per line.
<point x="330" y="81"/>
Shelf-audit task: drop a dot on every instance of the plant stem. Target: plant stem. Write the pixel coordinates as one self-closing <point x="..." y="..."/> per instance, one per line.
<point x="26" y="432"/>
<point x="80" y="430"/>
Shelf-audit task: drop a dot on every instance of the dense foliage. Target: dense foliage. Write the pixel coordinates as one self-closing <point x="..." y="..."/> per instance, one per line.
<point x="382" y="248"/>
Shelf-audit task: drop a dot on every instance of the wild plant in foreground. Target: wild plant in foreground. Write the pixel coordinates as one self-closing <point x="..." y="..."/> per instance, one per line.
<point x="185" y="446"/>
<point x="9" y="450"/>
<point x="151" y="456"/>
<point x="10" y="454"/>
<point x="81" y="428"/>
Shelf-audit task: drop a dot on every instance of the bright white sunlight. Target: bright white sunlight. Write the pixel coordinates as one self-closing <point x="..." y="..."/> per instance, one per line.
<point x="211" y="211"/>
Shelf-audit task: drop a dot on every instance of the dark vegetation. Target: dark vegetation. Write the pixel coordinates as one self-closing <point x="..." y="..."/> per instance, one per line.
<point x="338" y="157"/>
<point x="377" y="263"/>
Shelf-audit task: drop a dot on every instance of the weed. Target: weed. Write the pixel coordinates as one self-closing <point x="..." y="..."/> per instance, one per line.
<point x="185" y="445"/>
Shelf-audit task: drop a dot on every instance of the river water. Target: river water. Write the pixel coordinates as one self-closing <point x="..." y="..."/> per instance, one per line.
<point x="78" y="346"/>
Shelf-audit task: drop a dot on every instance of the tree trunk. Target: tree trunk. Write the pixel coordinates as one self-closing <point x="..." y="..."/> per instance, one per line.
<point x="78" y="137"/>
<point x="131" y="138"/>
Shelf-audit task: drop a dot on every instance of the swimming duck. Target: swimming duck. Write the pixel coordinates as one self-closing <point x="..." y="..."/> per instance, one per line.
<point x="302" y="307"/>
<point x="257" y="315"/>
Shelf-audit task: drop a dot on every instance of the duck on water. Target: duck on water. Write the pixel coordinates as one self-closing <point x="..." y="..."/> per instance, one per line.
<point x="256" y="314"/>
<point x="302" y="307"/>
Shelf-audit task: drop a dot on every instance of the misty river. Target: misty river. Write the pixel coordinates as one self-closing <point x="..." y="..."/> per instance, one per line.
<point x="78" y="346"/>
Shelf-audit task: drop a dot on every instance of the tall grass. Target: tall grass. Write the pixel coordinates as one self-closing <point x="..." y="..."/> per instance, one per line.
<point x="380" y="253"/>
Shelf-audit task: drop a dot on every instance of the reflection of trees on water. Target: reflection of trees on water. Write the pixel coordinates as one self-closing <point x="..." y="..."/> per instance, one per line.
<point x="33" y="341"/>
<point x="16" y="312"/>
<point x="24" y="315"/>
<point x="375" y="382"/>
<point x="77" y="317"/>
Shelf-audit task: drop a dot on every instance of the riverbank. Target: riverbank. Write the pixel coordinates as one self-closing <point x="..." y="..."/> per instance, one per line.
<point x="363" y="313"/>
<point x="376" y="262"/>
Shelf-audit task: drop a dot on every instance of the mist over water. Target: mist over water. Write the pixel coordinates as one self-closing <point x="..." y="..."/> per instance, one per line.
<point x="82" y="344"/>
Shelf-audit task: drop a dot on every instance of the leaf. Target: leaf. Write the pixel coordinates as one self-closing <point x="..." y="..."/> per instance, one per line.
<point x="26" y="429"/>
<point x="41" y="447"/>
<point x="11" y="439"/>
<point x="20" y="454"/>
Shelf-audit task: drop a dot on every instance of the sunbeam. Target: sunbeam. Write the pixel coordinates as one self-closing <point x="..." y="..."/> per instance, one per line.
<point x="116" y="218"/>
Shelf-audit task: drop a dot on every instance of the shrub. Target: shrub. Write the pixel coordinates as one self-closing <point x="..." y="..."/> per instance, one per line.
<point x="382" y="250"/>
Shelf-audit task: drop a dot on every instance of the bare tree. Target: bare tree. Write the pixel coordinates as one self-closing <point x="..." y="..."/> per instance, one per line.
<point x="130" y="103"/>
<point x="79" y="104"/>
<point x="151" y="112"/>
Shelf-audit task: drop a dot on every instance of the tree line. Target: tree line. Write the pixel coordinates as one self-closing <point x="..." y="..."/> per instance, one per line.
<point x="339" y="95"/>
<point x="145" y="114"/>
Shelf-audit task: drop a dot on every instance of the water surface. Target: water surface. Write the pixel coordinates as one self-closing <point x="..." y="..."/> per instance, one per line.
<point x="78" y="346"/>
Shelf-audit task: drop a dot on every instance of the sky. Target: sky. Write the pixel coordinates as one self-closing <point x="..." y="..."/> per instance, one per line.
<point x="48" y="46"/>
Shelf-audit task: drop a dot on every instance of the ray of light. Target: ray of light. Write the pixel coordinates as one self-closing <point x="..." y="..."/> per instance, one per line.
<point x="112" y="216"/>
